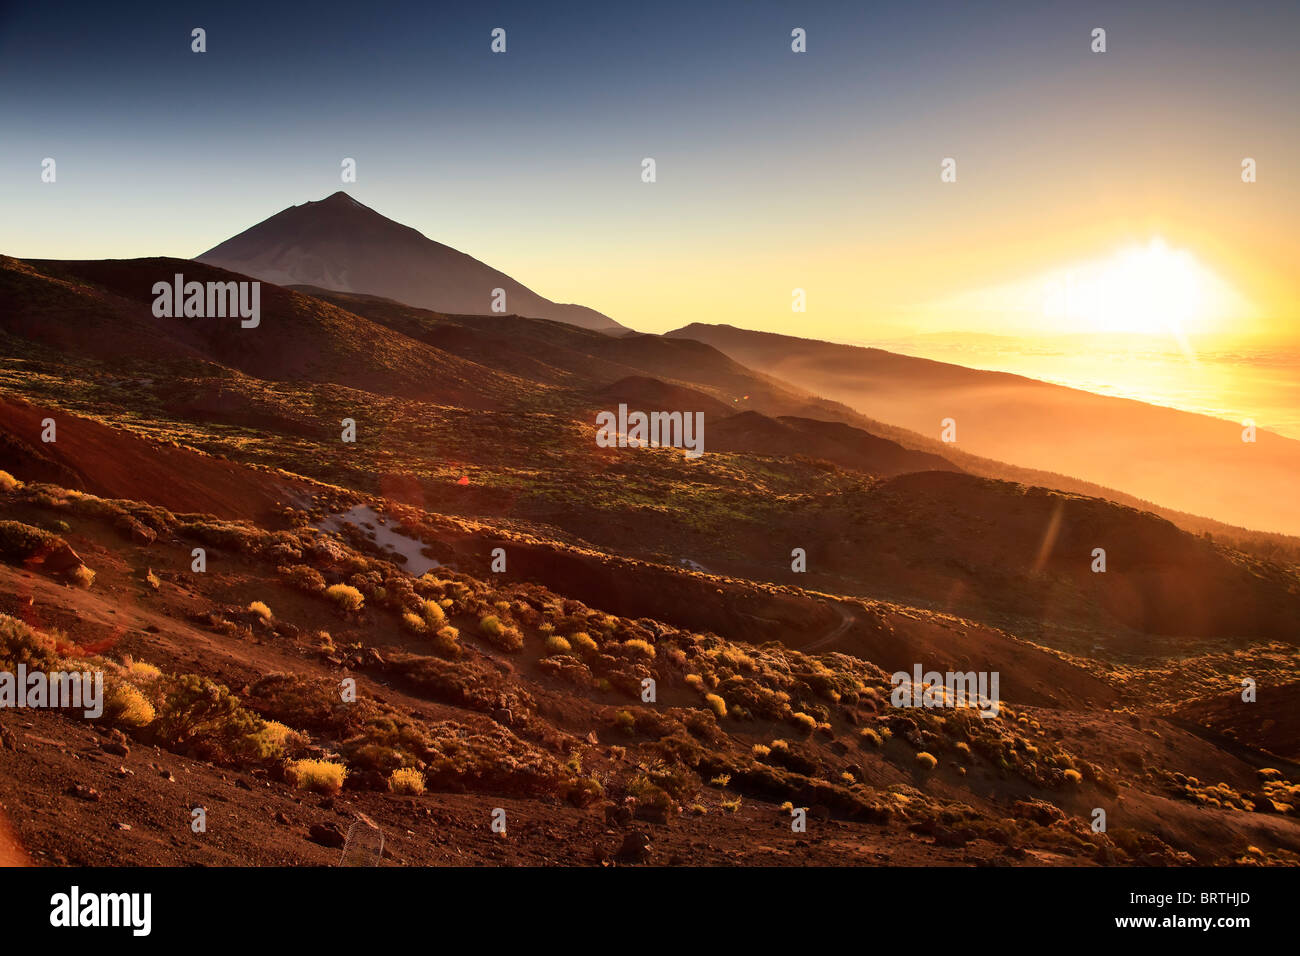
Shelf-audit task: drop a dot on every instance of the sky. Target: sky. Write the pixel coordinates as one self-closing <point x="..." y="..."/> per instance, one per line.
<point x="775" y="170"/>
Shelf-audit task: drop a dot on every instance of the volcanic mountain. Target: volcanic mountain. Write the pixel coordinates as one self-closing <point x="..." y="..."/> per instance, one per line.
<point x="339" y="244"/>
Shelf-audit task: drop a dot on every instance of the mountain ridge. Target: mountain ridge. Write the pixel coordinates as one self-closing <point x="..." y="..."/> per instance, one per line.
<point x="1137" y="448"/>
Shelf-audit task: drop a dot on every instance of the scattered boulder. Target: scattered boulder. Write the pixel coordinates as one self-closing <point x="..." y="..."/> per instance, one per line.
<point x="132" y="529"/>
<point x="1039" y="811"/>
<point x="635" y="847"/>
<point x="116" y="744"/>
<point x="327" y="835"/>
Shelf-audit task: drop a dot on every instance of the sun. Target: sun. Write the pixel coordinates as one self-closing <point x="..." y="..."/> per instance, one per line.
<point x="1141" y="289"/>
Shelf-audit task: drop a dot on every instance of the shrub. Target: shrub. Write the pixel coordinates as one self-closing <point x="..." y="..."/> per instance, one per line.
<point x="303" y="577"/>
<point x="716" y="704"/>
<point x="321" y="776"/>
<point x="584" y="791"/>
<point x="434" y="614"/>
<point x="140" y="671"/>
<point x="652" y="801"/>
<point x="200" y="714"/>
<point x="8" y="482"/>
<point x="625" y="722"/>
<point x="558" y="645"/>
<point x="869" y="738"/>
<point x="275" y="738"/>
<point x="805" y="722"/>
<point x="694" y="681"/>
<point x="583" y="642"/>
<point x="20" y="541"/>
<point x="20" y="644"/>
<point x="1073" y="777"/>
<point x="927" y="760"/>
<point x="345" y="596"/>
<point x="446" y="643"/>
<point x="506" y="638"/>
<point x="261" y="610"/>
<point x="152" y="580"/>
<point x="644" y="648"/>
<point x="406" y="780"/>
<point x="82" y="576"/>
<point x="413" y="622"/>
<point x="126" y="706"/>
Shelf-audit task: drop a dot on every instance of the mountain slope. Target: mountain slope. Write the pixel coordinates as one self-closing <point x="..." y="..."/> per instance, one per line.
<point x="339" y="244"/>
<point x="1142" y="449"/>
<point x="103" y="310"/>
<point x="849" y="447"/>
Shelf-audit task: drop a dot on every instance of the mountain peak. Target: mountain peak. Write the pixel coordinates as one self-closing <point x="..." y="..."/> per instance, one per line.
<point x="337" y="199"/>
<point x="339" y="244"/>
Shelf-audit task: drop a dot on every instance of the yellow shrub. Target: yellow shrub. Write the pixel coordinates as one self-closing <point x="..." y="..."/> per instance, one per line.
<point x="275" y="732"/>
<point x="508" y="639"/>
<point x="83" y="576"/>
<point x="8" y="482"/>
<point x="805" y="722"/>
<point x="557" y="645"/>
<point x="261" y="610"/>
<point x="127" y="706"/>
<point x="434" y="614"/>
<point x="583" y="642"/>
<point x="274" y="738"/>
<point x="406" y="780"/>
<point x="345" y="596"/>
<point x="716" y="704"/>
<point x="926" y="760"/>
<point x="322" y="776"/>
<point x="414" y="622"/>
<point x="141" y="672"/>
<point x="643" y="648"/>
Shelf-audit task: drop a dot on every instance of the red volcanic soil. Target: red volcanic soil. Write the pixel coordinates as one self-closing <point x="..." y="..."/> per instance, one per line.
<point x="1271" y="722"/>
<point x="113" y="463"/>
<point x="896" y="639"/>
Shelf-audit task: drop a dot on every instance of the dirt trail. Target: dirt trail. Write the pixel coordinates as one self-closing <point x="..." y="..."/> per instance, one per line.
<point x="847" y="620"/>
